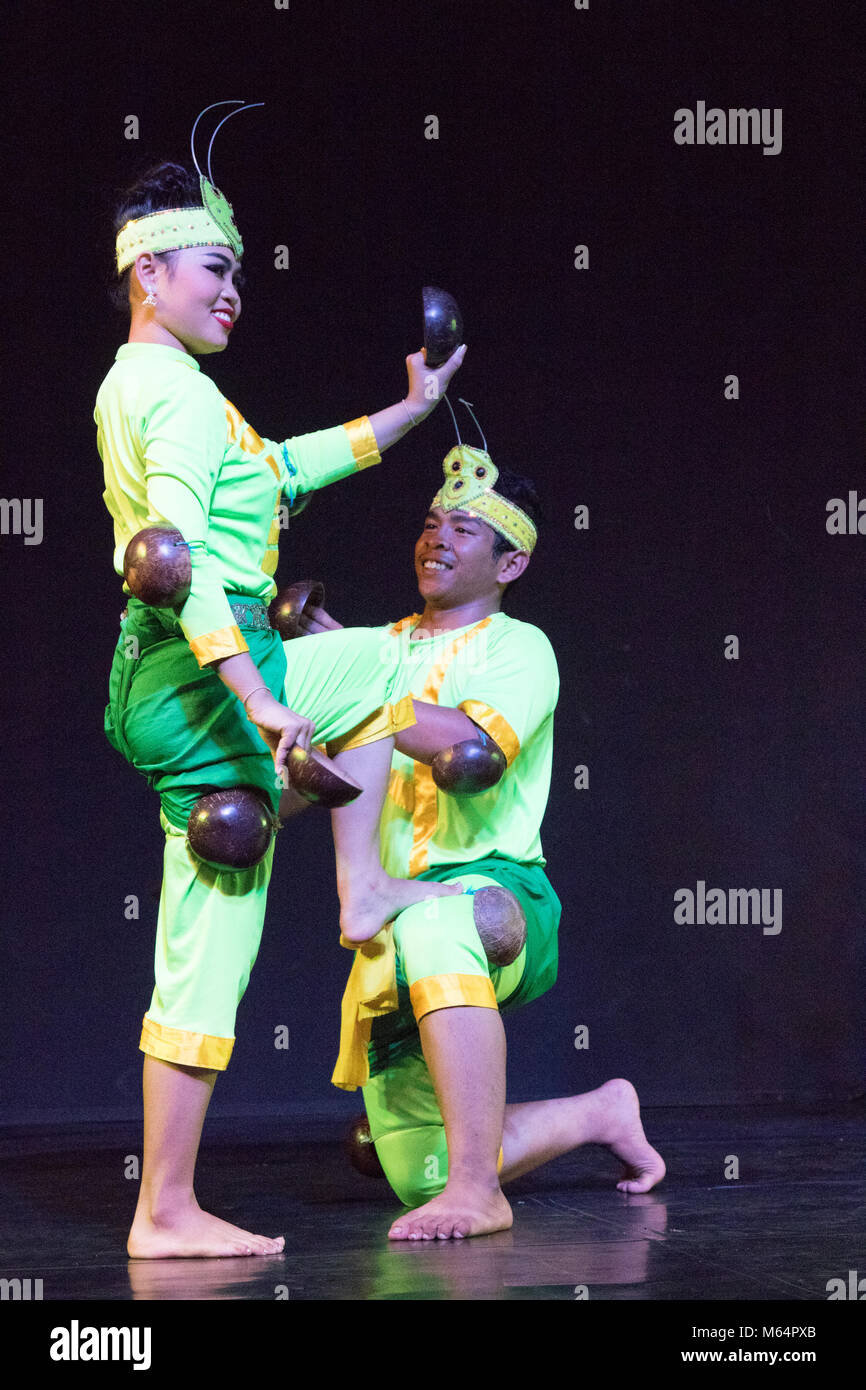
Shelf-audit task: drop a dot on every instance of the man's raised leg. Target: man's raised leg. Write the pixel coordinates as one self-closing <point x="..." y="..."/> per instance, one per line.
<point x="368" y="896"/>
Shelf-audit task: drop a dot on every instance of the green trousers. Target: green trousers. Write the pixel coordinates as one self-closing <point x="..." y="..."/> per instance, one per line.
<point x="441" y="964"/>
<point x="180" y="727"/>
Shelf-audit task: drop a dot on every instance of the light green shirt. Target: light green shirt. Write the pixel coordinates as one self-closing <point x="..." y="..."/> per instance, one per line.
<point x="175" y="450"/>
<point x="503" y="674"/>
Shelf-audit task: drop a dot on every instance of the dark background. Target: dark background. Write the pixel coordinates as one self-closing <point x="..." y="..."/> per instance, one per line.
<point x="707" y="516"/>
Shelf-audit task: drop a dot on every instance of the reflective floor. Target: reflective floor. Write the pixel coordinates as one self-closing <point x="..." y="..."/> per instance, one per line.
<point x="792" y="1219"/>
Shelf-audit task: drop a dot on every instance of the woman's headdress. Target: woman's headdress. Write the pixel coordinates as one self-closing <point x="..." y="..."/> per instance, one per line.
<point x="174" y="229"/>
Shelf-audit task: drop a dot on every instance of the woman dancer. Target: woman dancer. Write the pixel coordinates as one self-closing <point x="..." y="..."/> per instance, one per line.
<point x="195" y="695"/>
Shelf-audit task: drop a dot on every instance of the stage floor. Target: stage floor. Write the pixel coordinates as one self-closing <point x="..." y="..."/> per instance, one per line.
<point x="793" y="1220"/>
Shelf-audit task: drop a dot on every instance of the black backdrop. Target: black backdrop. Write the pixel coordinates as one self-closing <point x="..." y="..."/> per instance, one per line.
<point x="707" y="515"/>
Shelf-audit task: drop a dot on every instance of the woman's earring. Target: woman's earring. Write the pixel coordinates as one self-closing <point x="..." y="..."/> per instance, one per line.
<point x="150" y="299"/>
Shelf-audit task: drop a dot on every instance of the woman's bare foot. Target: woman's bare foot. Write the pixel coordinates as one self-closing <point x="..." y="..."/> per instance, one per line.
<point x="463" y="1209"/>
<point x="620" y="1129"/>
<point x="192" y="1233"/>
<point x="367" y="903"/>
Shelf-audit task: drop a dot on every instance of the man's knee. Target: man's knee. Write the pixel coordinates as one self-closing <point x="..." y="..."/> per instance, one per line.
<point x="415" y="1162"/>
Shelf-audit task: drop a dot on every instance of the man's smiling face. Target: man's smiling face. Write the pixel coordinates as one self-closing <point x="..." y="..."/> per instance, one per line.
<point x="454" y="561"/>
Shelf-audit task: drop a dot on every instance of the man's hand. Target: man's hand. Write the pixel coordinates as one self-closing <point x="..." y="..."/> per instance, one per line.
<point x="313" y="620"/>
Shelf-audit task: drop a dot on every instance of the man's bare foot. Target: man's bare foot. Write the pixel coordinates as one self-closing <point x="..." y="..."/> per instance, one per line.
<point x="366" y="905"/>
<point x="462" y="1209"/>
<point x="194" y="1234"/>
<point x="620" y="1129"/>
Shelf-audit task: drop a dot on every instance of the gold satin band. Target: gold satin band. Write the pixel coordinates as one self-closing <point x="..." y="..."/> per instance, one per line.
<point x="425" y="791"/>
<point x="451" y="991"/>
<point x="186" y="1049"/>
<point x="213" y="646"/>
<point x="493" y="723"/>
<point x="401" y="791"/>
<point x="363" y="442"/>
<point x="388" y="719"/>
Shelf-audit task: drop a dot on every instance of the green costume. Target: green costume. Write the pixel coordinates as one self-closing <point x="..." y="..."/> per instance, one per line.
<point x="502" y="673"/>
<point x="174" y="450"/>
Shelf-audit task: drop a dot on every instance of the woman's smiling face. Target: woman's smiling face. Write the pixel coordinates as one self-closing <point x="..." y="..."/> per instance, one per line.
<point x="197" y="296"/>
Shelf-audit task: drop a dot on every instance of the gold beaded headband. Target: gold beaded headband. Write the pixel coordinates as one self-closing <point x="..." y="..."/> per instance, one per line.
<point x="175" y="229"/>
<point x="470" y="477"/>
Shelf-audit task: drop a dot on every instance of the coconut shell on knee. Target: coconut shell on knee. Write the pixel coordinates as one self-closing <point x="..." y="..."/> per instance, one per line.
<point x="501" y="924"/>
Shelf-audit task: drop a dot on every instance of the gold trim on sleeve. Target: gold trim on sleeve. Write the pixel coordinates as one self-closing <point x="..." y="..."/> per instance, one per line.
<point x="493" y="724"/>
<point x="363" y="442"/>
<point x="213" y="646"/>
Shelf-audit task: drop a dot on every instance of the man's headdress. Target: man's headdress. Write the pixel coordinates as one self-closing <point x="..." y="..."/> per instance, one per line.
<point x="470" y="482"/>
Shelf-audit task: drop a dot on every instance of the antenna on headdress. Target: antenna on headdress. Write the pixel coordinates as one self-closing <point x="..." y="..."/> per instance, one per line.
<point x="247" y="106"/>
<point x="477" y="426"/>
<point x="453" y="417"/>
<point x="195" y="123"/>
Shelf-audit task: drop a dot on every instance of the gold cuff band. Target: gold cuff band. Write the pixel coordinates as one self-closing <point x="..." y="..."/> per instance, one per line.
<point x="388" y="719"/>
<point x="451" y="991"/>
<point x="214" y="646"/>
<point x="493" y="724"/>
<point x="186" y="1049"/>
<point x="362" y="439"/>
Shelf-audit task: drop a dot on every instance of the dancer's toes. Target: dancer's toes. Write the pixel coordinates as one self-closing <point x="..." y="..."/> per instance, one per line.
<point x="461" y="1210"/>
<point x="624" y="1135"/>
<point x="194" y="1234"/>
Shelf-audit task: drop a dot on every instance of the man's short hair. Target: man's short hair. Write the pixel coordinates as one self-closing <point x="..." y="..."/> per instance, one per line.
<point x="522" y="490"/>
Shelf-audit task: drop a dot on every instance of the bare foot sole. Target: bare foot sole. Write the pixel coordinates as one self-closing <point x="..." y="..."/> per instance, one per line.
<point x="195" y="1235"/>
<point x="457" y="1212"/>
<point x="622" y="1132"/>
<point x="366" y="909"/>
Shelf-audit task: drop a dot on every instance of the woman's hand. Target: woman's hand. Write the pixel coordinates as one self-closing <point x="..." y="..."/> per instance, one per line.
<point x="427" y="385"/>
<point x="279" y="726"/>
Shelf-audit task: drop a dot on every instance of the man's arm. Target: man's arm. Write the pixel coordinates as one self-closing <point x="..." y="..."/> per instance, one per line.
<point x="437" y="727"/>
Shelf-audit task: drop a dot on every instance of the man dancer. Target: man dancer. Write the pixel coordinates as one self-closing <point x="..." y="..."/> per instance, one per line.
<point x="422" y="1031"/>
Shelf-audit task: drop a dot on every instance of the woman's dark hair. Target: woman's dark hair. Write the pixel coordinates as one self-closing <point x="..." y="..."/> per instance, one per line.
<point x="160" y="188"/>
<point x="521" y="490"/>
